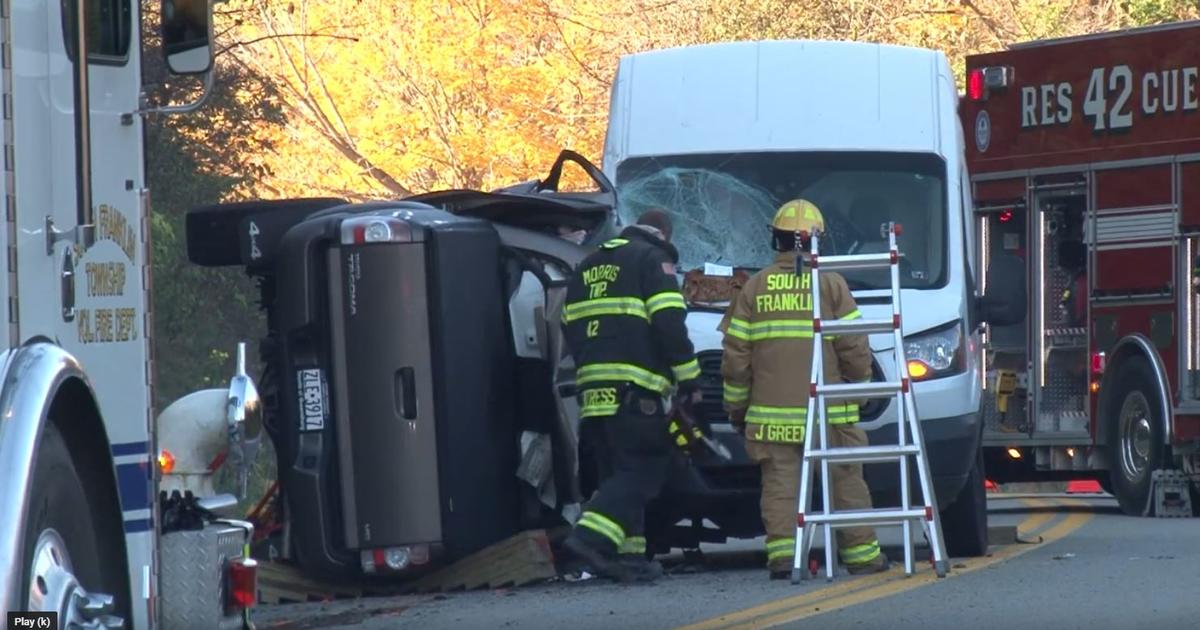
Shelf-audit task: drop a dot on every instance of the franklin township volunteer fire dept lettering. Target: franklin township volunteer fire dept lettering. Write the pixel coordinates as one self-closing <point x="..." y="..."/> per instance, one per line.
<point x="107" y="279"/>
<point x="1111" y="97"/>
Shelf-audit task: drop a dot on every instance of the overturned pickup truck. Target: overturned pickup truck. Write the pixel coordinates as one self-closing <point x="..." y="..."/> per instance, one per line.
<point x="416" y="388"/>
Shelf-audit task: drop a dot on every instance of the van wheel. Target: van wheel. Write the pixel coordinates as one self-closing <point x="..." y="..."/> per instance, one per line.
<point x="965" y="523"/>
<point x="1135" y="435"/>
<point x="62" y="546"/>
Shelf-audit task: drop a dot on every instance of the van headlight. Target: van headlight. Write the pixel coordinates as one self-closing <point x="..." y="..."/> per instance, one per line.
<point x="936" y="354"/>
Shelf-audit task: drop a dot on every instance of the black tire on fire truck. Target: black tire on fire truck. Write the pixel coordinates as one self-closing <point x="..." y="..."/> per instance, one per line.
<point x="1134" y="418"/>
<point x="964" y="523"/>
<point x="61" y="531"/>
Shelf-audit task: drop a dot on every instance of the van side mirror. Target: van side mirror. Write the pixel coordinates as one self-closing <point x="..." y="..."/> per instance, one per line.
<point x="1005" y="301"/>
<point x="187" y="34"/>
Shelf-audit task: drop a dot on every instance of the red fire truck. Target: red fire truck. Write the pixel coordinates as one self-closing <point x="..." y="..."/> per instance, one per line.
<point x="1085" y="168"/>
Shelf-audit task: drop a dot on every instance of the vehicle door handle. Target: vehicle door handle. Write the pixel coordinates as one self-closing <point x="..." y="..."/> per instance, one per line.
<point x="406" y="394"/>
<point x="68" y="285"/>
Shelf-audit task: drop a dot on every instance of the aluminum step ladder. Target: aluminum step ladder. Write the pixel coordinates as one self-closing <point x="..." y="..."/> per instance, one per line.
<point x="908" y="426"/>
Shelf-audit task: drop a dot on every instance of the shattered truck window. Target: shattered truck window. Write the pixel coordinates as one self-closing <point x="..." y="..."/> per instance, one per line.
<point x="721" y="206"/>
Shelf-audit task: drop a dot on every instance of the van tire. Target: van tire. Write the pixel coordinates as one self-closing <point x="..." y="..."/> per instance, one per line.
<point x="965" y="522"/>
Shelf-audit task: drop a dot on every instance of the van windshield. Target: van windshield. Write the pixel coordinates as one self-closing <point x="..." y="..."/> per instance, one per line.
<point x="721" y="206"/>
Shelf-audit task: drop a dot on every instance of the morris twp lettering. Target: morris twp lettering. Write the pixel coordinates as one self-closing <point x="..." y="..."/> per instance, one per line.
<point x="1109" y="101"/>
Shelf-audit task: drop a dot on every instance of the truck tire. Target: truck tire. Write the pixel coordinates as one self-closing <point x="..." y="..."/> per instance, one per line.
<point x="965" y="522"/>
<point x="1135" y="435"/>
<point x="60" y="533"/>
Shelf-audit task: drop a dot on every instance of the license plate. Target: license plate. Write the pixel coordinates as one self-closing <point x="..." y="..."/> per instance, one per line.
<point x="313" y="400"/>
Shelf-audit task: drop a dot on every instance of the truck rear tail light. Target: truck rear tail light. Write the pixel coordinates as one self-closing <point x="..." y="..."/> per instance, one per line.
<point x="975" y="90"/>
<point x="243" y="583"/>
<point x="393" y="558"/>
<point x="375" y="229"/>
<point x="1006" y="216"/>
<point x="981" y="82"/>
<point x="1098" y="364"/>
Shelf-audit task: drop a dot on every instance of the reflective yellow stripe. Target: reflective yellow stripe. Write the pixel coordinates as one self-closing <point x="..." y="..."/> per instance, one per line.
<point x="860" y="554"/>
<point x="841" y="414"/>
<point x="738" y="328"/>
<point x="604" y="526"/>
<point x="736" y="393"/>
<point x="774" y="329"/>
<point x="634" y="544"/>
<point x="622" y="372"/>
<point x="604" y="306"/>
<point x="664" y="300"/>
<point x="780" y="548"/>
<point x="614" y="243"/>
<point x="598" y="411"/>
<point x="855" y="314"/>
<point x="761" y="414"/>
<point x="687" y="370"/>
<point x="835" y="414"/>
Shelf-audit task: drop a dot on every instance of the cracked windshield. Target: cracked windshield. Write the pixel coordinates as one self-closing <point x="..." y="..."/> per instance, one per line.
<point x="722" y="204"/>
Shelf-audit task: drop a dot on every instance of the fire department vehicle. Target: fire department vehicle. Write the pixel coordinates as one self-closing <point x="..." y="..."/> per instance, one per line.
<point x="83" y="532"/>
<point x="1085" y="168"/>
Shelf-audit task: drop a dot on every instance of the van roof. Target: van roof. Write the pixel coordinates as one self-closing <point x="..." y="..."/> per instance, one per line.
<point x="783" y="95"/>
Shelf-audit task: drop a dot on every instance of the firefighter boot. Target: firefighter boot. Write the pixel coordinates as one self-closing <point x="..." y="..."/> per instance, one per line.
<point x="603" y="561"/>
<point x="639" y="569"/>
<point x="638" y="566"/>
<point x="877" y="565"/>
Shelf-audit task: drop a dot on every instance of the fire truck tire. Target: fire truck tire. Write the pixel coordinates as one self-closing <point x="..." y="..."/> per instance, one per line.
<point x="964" y="523"/>
<point x="1135" y="433"/>
<point x="60" y="531"/>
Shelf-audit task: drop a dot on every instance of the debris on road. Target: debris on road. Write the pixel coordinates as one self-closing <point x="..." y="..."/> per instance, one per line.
<point x="1065" y="556"/>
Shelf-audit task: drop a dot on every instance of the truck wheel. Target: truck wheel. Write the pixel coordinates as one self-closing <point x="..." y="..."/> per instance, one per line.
<point x="62" y="549"/>
<point x="1135" y="436"/>
<point x="965" y="523"/>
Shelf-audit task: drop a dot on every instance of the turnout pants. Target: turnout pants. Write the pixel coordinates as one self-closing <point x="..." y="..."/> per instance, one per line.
<point x="781" y="492"/>
<point x="632" y="451"/>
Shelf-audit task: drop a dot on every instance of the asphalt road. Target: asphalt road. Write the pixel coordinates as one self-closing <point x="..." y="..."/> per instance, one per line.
<point x="1083" y="565"/>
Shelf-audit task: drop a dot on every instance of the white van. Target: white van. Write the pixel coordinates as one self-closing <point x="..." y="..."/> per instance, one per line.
<point x="721" y="135"/>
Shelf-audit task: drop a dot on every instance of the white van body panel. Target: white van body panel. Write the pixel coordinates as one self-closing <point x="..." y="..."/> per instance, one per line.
<point x="780" y="95"/>
<point x="813" y="96"/>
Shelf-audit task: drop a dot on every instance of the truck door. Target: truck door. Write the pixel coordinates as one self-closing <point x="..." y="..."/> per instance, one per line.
<point x="1060" y="295"/>
<point x="88" y="288"/>
<point x="1003" y="218"/>
<point x="86" y="295"/>
<point x="1037" y="369"/>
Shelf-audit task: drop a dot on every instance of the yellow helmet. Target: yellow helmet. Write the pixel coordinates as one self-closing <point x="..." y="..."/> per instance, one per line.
<point x="799" y="215"/>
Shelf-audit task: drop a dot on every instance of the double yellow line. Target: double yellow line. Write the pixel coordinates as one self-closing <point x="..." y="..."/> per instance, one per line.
<point x="857" y="591"/>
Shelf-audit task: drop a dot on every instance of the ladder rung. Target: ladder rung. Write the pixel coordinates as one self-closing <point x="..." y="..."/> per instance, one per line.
<point x="864" y="453"/>
<point x="848" y="391"/>
<point x="853" y="262"/>
<point x="870" y="517"/>
<point x="857" y="326"/>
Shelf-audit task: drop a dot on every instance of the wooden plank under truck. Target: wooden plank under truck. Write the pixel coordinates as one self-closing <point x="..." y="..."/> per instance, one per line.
<point x="1085" y="167"/>
<point x="84" y="538"/>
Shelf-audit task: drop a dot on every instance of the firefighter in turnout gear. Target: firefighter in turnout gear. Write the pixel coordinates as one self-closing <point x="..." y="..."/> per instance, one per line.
<point x="624" y="323"/>
<point x="768" y="348"/>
